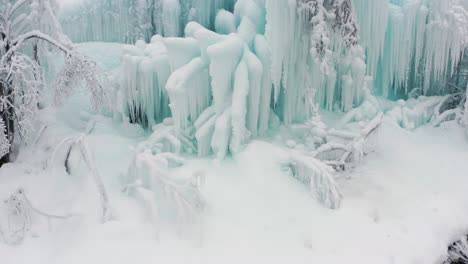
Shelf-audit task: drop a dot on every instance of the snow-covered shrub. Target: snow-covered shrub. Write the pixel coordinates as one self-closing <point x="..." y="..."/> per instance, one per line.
<point x="165" y="138"/>
<point x="17" y="217"/>
<point x="423" y="110"/>
<point x="444" y="111"/>
<point x="458" y="251"/>
<point x="318" y="176"/>
<point x="21" y="76"/>
<point x="18" y="214"/>
<point x="344" y="147"/>
<point x="149" y="178"/>
<point x="79" y="69"/>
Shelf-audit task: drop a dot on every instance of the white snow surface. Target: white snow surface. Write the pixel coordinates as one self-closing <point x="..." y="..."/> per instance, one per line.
<point x="405" y="203"/>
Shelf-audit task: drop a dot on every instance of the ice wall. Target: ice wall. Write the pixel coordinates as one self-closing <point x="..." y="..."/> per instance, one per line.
<point x="127" y="21"/>
<point x="243" y="64"/>
<point x="407" y="43"/>
<point x="412" y="44"/>
<point x="217" y="88"/>
<point x="266" y="61"/>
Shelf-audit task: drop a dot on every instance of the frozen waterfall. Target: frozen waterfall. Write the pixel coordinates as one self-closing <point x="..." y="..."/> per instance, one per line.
<point x="224" y="70"/>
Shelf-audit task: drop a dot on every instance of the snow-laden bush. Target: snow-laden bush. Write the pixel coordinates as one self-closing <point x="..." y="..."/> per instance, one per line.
<point x="17" y="216"/>
<point x="79" y="69"/>
<point x="458" y="252"/>
<point x="149" y="178"/>
<point x="350" y="147"/>
<point x="21" y="78"/>
<point x="424" y="110"/>
<point x="318" y="176"/>
<point x="165" y="138"/>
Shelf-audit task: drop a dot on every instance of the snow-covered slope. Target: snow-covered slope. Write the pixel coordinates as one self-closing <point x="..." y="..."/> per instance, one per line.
<point x="405" y="204"/>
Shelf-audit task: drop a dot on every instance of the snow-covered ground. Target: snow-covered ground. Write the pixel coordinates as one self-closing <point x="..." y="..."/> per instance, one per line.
<point x="405" y="203"/>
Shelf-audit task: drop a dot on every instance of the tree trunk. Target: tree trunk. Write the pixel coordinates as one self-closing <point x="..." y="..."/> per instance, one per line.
<point x="9" y="124"/>
<point x="6" y="89"/>
<point x="36" y="52"/>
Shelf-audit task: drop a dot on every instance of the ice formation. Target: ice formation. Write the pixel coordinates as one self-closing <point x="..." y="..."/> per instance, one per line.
<point x="130" y="20"/>
<point x="224" y="69"/>
<point x="422" y="43"/>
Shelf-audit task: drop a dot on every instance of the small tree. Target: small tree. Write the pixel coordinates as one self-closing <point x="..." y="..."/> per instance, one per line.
<point x="20" y="76"/>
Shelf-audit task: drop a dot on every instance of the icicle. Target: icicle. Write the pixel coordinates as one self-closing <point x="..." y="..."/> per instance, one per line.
<point x="373" y="22"/>
<point x="283" y="52"/>
<point x="170" y="17"/>
<point x="188" y="89"/>
<point x="224" y="59"/>
<point x="222" y="134"/>
<point x="239" y="107"/>
<point x="263" y="52"/>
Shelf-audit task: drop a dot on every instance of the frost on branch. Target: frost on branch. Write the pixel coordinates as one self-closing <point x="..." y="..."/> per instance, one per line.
<point x="78" y="69"/>
<point x="344" y="21"/>
<point x="23" y="76"/>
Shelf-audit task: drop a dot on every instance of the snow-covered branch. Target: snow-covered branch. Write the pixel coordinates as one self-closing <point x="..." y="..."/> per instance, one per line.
<point x="18" y="42"/>
<point x="20" y="213"/>
<point x="11" y="11"/>
<point x="80" y="142"/>
<point x="79" y="69"/>
<point x="318" y="176"/>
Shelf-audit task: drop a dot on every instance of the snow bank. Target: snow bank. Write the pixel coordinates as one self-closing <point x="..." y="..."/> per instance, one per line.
<point x="256" y="212"/>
